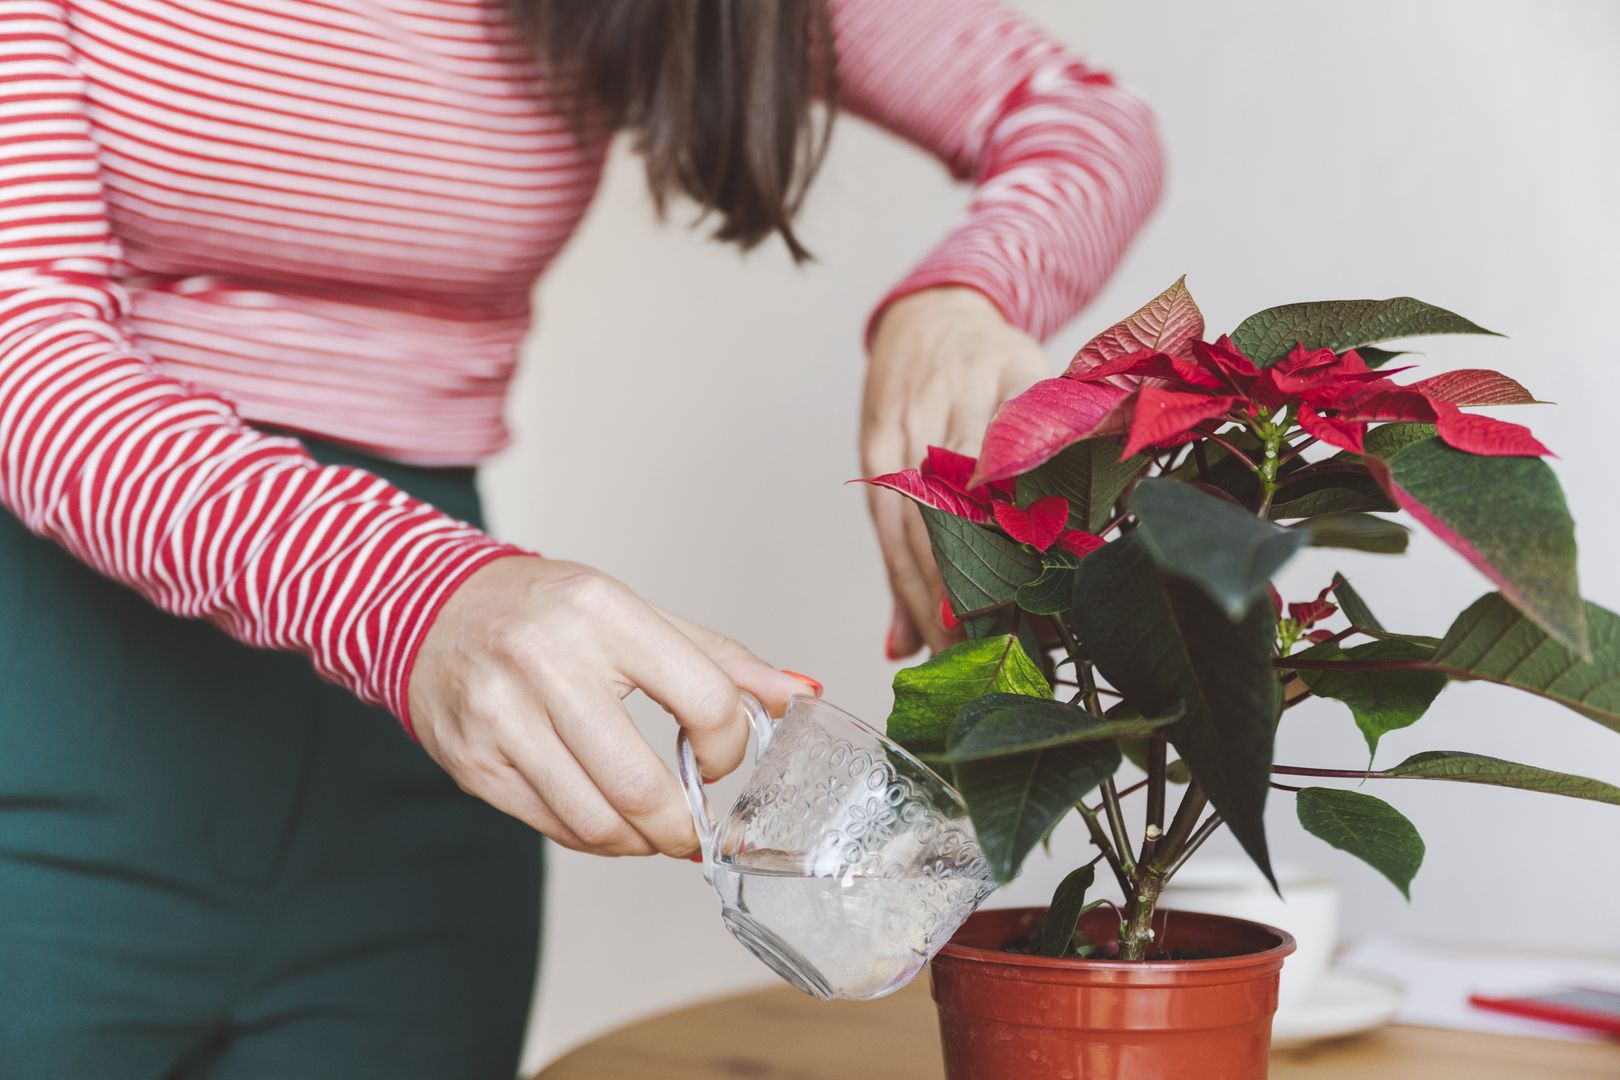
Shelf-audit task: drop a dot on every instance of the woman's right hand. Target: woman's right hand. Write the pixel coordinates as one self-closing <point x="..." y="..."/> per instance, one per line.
<point x="518" y="693"/>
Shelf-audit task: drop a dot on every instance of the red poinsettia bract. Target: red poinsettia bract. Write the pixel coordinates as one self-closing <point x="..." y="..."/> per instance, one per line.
<point x="943" y="482"/>
<point x="1335" y="397"/>
<point x="1306" y="615"/>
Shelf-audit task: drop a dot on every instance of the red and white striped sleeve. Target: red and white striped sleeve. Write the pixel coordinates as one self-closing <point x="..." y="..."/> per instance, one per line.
<point x="1066" y="164"/>
<point x="153" y="483"/>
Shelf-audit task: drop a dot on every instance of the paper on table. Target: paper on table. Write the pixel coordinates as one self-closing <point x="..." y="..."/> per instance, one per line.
<point x="1439" y="979"/>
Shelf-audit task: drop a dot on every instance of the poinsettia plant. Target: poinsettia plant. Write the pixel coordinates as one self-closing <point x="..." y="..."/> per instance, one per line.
<point x="1110" y="554"/>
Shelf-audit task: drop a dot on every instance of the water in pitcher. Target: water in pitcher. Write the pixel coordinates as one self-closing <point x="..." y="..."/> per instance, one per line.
<point x="847" y="937"/>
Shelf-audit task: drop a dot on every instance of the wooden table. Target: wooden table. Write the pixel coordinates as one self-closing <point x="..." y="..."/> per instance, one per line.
<point x="782" y="1035"/>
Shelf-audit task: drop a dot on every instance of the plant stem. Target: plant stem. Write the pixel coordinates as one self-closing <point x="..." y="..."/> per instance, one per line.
<point x="1182" y="825"/>
<point x="1116" y="825"/>
<point x="1101" y="691"/>
<point x="1272" y="433"/>
<point x="1347" y="774"/>
<point x="1158" y="768"/>
<point x="1110" y="794"/>
<point x="1088" y="684"/>
<point x="1071" y="645"/>
<point x="1205" y="831"/>
<point x="1297" y="664"/>
<point x="1132" y="790"/>
<point x="1153" y="831"/>
<point x="1292" y="452"/>
<point x="1136" y="932"/>
<point x="1203" y="461"/>
<point x="1247" y="462"/>
<point x="1100" y="839"/>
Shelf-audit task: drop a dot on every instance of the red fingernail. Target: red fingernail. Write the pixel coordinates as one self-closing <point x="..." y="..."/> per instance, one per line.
<point x="947" y="617"/>
<point x="888" y="646"/>
<point x="695" y="858"/>
<point x="815" y="687"/>
<point x="711" y="779"/>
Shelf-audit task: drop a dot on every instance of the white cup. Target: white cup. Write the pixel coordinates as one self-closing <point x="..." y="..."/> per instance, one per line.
<point x="1308" y="909"/>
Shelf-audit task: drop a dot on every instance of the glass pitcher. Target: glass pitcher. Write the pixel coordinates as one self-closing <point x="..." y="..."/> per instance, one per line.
<point x="846" y="863"/>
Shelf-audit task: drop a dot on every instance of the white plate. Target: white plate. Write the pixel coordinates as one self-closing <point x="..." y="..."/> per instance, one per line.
<point x="1341" y="1003"/>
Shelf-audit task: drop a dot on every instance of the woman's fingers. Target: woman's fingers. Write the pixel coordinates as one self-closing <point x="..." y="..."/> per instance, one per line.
<point x="883" y="453"/>
<point x="771" y="685"/>
<point x="925" y="426"/>
<point x="504" y="788"/>
<point x="964" y="429"/>
<point x="668" y="667"/>
<point x="633" y="779"/>
<point x="549" y="767"/>
<point x="518" y="690"/>
<point x="469" y="748"/>
<point x="904" y="638"/>
<point x="905" y="577"/>
<point x="931" y="588"/>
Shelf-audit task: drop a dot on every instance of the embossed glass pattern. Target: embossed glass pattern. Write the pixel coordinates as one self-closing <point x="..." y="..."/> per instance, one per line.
<point x="846" y="863"/>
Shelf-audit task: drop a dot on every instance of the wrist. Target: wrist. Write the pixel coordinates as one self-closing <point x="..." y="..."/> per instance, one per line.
<point x="450" y="588"/>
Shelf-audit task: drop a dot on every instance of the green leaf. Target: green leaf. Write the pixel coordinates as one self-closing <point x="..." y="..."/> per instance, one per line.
<point x="1164" y="645"/>
<point x="1068" y="901"/>
<point x="998" y="725"/>
<point x="928" y="697"/>
<point x="1053" y="591"/>
<point x="1014" y="801"/>
<point x="1493" y="641"/>
<point x="1376" y="358"/>
<point x="1357" y="532"/>
<point x="1368" y="828"/>
<point x="1381" y="701"/>
<point x="1089" y="475"/>
<point x="1135" y="751"/>
<point x="1227" y="552"/>
<point x="1506" y="516"/>
<point x="1361" y="617"/>
<point x="1354" y="607"/>
<point x="982" y="569"/>
<point x="1330" y="493"/>
<point x="1478" y="769"/>
<point x="1387" y="439"/>
<point x="1267" y="336"/>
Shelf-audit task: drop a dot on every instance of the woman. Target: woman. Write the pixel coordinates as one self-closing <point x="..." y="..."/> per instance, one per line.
<point x="264" y="270"/>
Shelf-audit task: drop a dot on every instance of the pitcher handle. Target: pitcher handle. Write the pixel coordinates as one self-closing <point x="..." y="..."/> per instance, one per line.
<point x="697" y="797"/>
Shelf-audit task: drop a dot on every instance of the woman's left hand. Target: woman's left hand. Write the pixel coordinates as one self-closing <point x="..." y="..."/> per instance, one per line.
<point x="942" y="360"/>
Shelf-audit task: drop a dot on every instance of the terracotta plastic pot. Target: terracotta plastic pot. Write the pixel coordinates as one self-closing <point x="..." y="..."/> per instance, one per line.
<point x="1006" y="1016"/>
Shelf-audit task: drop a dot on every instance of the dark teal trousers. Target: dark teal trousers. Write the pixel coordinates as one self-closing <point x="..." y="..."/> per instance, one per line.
<point x="214" y="866"/>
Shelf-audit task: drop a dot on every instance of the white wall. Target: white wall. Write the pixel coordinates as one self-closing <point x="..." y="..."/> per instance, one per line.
<point x="688" y="417"/>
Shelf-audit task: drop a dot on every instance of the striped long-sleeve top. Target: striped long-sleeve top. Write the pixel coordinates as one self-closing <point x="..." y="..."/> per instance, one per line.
<point x="327" y="216"/>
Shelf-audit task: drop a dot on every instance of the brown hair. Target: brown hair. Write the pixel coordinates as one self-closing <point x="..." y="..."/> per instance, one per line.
<point x="716" y="93"/>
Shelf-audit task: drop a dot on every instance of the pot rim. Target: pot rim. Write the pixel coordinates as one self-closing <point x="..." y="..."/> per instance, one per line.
<point x="973" y="954"/>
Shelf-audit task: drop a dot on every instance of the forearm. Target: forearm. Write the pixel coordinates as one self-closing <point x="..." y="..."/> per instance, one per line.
<point x="1066" y="163"/>
<point x="164" y="490"/>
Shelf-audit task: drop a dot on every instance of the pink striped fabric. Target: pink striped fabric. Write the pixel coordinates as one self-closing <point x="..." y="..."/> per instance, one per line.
<point x="328" y="215"/>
